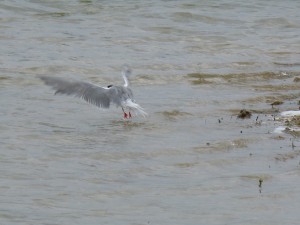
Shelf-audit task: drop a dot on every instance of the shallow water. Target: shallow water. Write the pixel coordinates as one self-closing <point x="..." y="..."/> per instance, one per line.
<point x="195" y="66"/>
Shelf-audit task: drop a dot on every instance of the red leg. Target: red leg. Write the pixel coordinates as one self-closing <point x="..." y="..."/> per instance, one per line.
<point x="125" y="114"/>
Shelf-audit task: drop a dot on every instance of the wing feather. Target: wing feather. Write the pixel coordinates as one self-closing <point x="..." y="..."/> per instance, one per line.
<point x="91" y="93"/>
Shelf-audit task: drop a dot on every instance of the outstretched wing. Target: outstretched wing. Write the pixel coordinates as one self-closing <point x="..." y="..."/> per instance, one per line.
<point x="91" y="93"/>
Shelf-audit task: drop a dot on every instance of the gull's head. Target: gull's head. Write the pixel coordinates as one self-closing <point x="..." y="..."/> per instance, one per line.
<point x="126" y="70"/>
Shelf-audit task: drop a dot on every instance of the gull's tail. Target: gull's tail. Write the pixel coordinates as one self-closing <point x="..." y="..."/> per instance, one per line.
<point x="135" y="107"/>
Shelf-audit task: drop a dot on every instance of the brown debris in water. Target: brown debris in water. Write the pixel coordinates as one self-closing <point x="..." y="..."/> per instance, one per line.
<point x="244" y="114"/>
<point x="293" y="132"/>
<point x="201" y="78"/>
<point x="174" y="114"/>
<point x="266" y="111"/>
<point x="201" y="81"/>
<point x="278" y="102"/>
<point x="279" y="138"/>
<point x="225" y="145"/>
<point x="271" y="98"/>
<point x="286" y="156"/>
<point x="293" y="121"/>
<point x="297" y="79"/>
<point x="260" y="181"/>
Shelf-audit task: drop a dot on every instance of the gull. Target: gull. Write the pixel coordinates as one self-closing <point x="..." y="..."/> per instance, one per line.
<point x="102" y="97"/>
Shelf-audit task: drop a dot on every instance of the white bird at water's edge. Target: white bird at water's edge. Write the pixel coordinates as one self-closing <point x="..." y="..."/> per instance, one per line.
<point x="99" y="96"/>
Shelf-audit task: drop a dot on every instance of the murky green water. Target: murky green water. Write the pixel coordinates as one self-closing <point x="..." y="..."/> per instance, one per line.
<point x="195" y="66"/>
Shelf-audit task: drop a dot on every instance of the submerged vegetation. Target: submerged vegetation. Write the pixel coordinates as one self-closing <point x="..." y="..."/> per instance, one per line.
<point x="244" y="114"/>
<point x="275" y="93"/>
<point x="238" y="78"/>
<point x="172" y="115"/>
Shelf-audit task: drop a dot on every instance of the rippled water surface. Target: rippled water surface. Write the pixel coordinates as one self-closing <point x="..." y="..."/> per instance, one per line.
<point x="195" y="64"/>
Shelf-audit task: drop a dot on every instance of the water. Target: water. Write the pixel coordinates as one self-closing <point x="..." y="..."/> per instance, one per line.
<point x="195" y="65"/>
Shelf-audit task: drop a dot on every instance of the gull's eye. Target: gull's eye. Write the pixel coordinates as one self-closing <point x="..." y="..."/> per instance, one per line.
<point x="109" y="86"/>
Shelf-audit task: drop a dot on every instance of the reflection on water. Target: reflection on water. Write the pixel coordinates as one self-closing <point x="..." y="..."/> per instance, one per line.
<point x="195" y="66"/>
